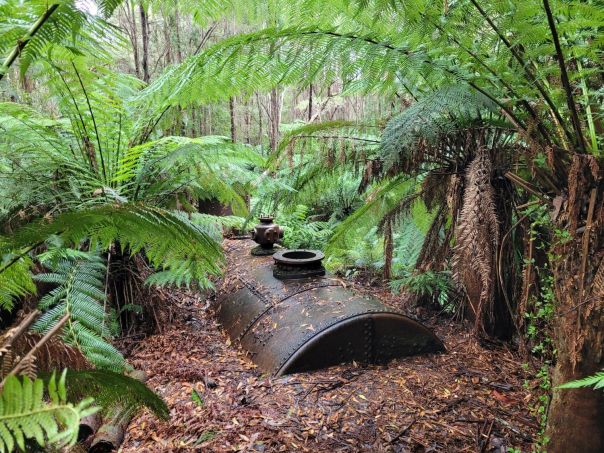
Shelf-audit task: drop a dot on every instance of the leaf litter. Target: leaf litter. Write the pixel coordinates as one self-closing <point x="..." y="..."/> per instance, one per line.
<point x="469" y="399"/>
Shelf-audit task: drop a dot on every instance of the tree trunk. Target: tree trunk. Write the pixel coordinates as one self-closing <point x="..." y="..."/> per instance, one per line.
<point x="133" y="34"/>
<point x="576" y="416"/>
<point x="275" y="118"/>
<point x="177" y="34"/>
<point x="310" y="102"/>
<point x="388" y="249"/>
<point x="145" y="39"/>
<point x="167" y="39"/>
<point x="260" y="131"/>
<point x="233" y="119"/>
<point x="247" y="121"/>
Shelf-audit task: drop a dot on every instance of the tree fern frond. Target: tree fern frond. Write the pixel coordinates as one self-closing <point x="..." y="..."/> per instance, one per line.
<point x="167" y="238"/>
<point x="346" y="130"/>
<point x="112" y="390"/>
<point x="386" y="198"/>
<point x="37" y="26"/>
<point x="276" y="56"/>
<point x="427" y="121"/>
<point x="596" y="381"/>
<point x="80" y="295"/>
<point x="214" y="225"/>
<point x="15" y="281"/>
<point x="24" y="414"/>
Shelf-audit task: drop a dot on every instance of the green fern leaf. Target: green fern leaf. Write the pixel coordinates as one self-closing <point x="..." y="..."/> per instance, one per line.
<point x="80" y="280"/>
<point x="114" y="392"/>
<point x="596" y="381"/>
<point x="24" y="414"/>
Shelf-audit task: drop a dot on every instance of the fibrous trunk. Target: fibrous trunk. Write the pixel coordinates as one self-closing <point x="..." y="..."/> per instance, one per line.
<point x="576" y="416"/>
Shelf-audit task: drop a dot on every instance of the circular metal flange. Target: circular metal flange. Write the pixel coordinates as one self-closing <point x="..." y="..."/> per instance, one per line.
<point x="298" y="263"/>
<point x="298" y="257"/>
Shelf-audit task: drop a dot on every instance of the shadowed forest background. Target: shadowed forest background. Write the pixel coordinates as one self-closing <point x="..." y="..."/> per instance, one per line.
<point x="445" y="156"/>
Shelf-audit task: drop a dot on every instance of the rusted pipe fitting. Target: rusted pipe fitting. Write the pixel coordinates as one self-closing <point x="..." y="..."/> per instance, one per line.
<point x="266" y="234"/>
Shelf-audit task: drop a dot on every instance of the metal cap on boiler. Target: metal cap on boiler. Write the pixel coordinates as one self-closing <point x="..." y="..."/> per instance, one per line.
<point x="266" y="234"/>
<point x="298" y="263"/>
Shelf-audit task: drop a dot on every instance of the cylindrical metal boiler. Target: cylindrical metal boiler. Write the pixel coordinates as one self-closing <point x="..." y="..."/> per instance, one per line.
<point x="303" y="324"/>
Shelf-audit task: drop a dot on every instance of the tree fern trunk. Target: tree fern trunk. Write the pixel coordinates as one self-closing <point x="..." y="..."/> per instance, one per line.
<point x="576" y="415"/>
<point x="388" y="249"/>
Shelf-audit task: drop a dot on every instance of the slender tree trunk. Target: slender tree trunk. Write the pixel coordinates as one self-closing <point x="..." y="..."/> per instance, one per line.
<point x="388" y="250"/>
<point x="260" y="131"/>
<point x="167" y="39"/>
<point x="275" y="118"/>
<point x="193" y="122"/>
<point x="576" y="416"/>
<point x="310" y="102"/>
<point x="247" y="121"/>
<point x="233" y="119"/>
<point x="145" y="39"/>
<point x="133" y="34"/>
<point x="177" y="34"/>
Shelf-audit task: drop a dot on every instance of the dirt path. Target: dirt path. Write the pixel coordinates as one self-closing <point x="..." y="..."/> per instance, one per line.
<point x="468" y="399"/>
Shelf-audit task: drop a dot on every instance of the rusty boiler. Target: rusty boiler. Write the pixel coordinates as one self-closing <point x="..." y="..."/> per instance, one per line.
<point x="291" y="317"/>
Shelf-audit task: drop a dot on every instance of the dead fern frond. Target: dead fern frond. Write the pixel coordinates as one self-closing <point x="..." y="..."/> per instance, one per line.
<point x="477" y="235"/>
<point x="54" y="354"/>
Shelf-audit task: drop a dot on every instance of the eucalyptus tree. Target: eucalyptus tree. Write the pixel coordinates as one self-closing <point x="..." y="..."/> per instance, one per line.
<point x="538" y="67"/>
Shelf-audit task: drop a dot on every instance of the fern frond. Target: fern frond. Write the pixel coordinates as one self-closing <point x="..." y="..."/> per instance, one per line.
<point x="80" y="295"/>
<point x="168" y="239"/>
<point x="299" y="232"/>
<point x="596" y="381"/>
<point x="427" y="122"/>
<point x="37" y="26"/>
<point x="343" y="130"/>
<point x="24" y="414"/>
<point x="15" y="281"/>
<point x="365" y="61"/>
<point x="386" y="198"/>
<point x="112" y="390"/>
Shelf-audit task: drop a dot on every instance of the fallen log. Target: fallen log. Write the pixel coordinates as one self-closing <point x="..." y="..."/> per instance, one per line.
<point x="111" y="433"/>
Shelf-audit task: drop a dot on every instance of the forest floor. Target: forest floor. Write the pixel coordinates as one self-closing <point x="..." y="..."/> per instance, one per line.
<point x="471" y="398"/>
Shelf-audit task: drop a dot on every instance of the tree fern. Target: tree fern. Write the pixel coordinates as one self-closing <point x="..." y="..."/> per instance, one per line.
<point x="427" y="122"/>
<point x="385" y="199"/>
<point x="24" y="414"/>
<point x="285" y="56"/>
<point x="169" y="240"/>
<point x="80" y="294"/>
